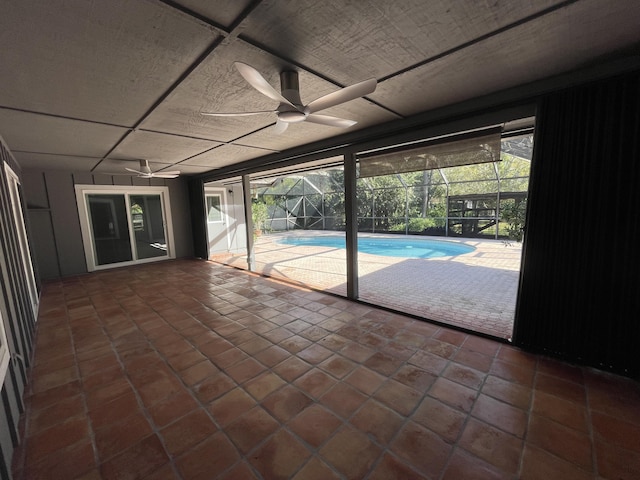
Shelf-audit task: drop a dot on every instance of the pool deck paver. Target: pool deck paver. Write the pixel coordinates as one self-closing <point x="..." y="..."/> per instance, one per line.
<point x="476" y="291"/>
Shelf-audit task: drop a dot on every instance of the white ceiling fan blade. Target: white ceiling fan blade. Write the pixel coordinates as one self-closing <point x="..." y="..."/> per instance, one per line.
<point x="280" y="127"/>
<point x="166" y="175"/>
<point x="257" y="81"/>
<point x="342" y="96"/>
<point x="133" y="171"/>
<point x="172" y="172"/>
<point x="236" y="114"/>
<point x="330" y="121"/>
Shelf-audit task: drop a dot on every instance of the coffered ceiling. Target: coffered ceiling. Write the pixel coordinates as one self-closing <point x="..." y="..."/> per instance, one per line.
<point x="95" y="85"/>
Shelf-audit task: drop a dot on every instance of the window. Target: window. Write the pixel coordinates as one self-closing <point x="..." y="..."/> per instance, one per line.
<point x="214" y="211"/>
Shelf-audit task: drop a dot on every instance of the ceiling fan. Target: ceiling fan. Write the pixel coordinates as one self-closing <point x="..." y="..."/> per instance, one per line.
<point x="291" y="109"/>
<point x="145" y="171"/>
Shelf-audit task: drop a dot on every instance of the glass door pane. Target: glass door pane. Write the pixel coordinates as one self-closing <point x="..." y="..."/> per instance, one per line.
<point x="301" y="218"/>
<point x="451" y="238"/>
<point x="109" y="227"/>
<point x="148" y="226"/>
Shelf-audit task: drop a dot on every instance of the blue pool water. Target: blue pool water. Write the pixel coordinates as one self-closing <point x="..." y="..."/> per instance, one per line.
<point x="387" y="247"/>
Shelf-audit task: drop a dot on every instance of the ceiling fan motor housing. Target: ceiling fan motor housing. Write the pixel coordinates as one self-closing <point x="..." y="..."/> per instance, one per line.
<point x="292" y="116"/>
<point x="144" y="166"/>
<point x="290" y="87"/>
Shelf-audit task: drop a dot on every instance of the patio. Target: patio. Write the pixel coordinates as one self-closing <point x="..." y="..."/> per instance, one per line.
<point x="476" y="291"/>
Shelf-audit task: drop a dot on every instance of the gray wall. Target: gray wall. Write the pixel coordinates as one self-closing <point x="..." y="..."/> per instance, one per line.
<point x="53" y="214"/>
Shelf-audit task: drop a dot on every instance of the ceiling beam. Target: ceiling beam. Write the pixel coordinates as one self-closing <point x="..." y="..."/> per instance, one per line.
<point x="222" y="35"/>
<point x="480" y="39"/>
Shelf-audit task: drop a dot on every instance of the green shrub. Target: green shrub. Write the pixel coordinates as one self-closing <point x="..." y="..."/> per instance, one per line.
<point x="259" y="214"/>
<point x="416" y="225"/>
<point x="513" y="214"/>
<point x="419" y="225"/>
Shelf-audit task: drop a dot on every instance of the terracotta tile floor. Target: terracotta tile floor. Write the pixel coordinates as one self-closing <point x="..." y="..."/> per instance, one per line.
<point x="192" y="370"/>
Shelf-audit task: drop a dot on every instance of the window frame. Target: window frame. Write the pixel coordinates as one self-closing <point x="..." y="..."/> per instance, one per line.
<point x="220" y="200"/>
<point x="85" y="222"/>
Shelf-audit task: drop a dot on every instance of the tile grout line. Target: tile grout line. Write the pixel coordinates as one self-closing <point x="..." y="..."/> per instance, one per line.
<point x="237" y="385"/>
<point x="468" y="416"/>
<point x="592" y="436"/>
<point x="525" y="436"/>
<point x="191" y="392"/>
<point x="141" y="406"/>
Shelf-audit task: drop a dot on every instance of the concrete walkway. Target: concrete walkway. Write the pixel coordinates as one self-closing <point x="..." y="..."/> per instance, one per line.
<point x="476" y="290"/>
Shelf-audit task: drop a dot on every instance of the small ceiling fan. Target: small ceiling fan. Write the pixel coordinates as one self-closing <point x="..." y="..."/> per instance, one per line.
<point x="291" y="109"/>
<point x="145" y="171"/>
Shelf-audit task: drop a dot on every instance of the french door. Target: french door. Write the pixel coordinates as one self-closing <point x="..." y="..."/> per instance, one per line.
<point x="124" y="225"/>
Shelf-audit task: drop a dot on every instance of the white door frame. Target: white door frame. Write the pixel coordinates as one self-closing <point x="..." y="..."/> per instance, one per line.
<point x="209" y="191"/>
<point x="25" y="251"/>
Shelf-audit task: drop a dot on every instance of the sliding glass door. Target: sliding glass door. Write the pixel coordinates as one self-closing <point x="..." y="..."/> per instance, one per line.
<point x="123" y="227"/>
<point x="148" y="226"/>
<point x="109" y="228"/>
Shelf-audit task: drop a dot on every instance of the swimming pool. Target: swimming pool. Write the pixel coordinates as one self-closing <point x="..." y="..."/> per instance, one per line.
<point x="387" y="247"/>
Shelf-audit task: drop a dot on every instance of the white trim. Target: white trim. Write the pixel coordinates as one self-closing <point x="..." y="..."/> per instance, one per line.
<point x="25" y="251"/>
<point x="85" y="221"/>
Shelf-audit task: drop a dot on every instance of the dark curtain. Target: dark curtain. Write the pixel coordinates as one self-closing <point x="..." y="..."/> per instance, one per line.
<point x="198" y="218"/>
<point x="580" y="283"/>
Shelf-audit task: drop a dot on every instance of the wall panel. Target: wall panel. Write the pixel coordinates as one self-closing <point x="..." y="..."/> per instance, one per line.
<point x="44" y="243"/>
<point x="56" y="226"/>
<point x="66" y="225"/>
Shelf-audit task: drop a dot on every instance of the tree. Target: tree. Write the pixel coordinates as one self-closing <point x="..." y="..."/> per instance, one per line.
<point x="410" y="201"/>
<point x="259" y="215"/>
<point x="513" y="213"/>
<point x="381" y="198"/>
